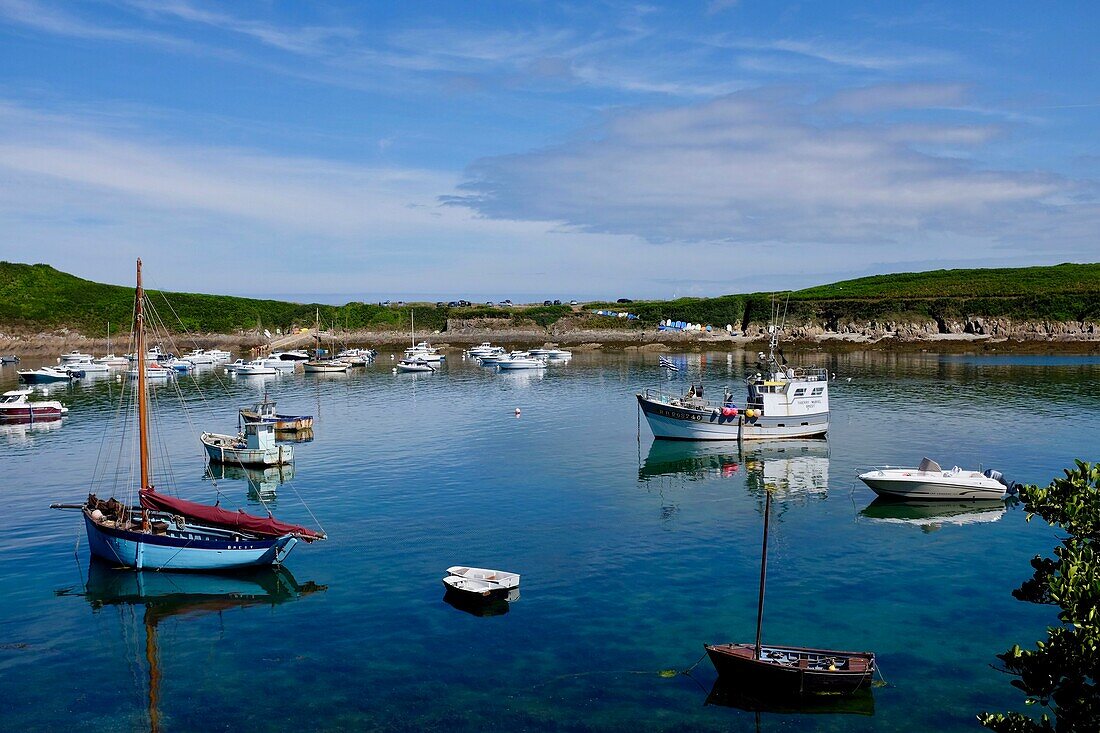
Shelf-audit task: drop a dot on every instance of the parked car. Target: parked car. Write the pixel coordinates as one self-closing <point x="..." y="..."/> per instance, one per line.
<point x="439" y="304"/>
<point x="557" y="302"/>
<point x="453" y="304"/>
<point x="465" y="303"/>
<point x="573" y="302"/>
<point x="624" y="300"/>
<point x="547" y="302"/>
<point x="489" y="303"/>
<point x="506" y="303"/>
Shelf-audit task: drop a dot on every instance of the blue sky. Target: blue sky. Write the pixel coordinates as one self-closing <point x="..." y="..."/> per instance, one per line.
<point x="545" y="149"/>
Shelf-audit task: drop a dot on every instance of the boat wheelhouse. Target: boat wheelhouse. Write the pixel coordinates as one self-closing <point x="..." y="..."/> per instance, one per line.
<point x="256" y="446"/>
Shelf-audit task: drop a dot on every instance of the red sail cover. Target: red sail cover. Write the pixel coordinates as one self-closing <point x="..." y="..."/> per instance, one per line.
<point x="239" y="520"/>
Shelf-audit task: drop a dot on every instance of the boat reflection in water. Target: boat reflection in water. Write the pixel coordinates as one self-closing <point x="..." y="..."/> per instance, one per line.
<point x="19" y="431"/>
<point x="931" y="515"/>
<point x="760" y="699"/>
<point x="168" y="595"/>
<point x="787" y="467"/>
<point x="476" y="606"/>
<point x="263" y="483"/>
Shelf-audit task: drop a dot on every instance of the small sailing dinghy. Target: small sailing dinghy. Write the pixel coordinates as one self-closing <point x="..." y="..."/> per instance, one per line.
<point x="167" y="533"/>
<point x="414" y="365"/>
<point x="789" y="669"/>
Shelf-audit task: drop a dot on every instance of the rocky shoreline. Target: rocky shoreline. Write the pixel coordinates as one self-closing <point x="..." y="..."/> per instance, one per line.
<point x="973" y="334"/>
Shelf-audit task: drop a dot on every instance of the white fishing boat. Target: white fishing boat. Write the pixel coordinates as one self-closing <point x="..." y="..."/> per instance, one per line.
<point x="324" y="366"/>
<point x="112" y="361"/>
<point x="499" y="578"/>
<point x="234" y="366"/>
<point x="220" y="356"/>
<point x="253" y="368"/>
<point x="282" y="365"/>
<point x="357" y="357"/>
<point x="414" y="365"/>
<point x="256" y="446"/>
<point x="153" y="371"/>
<point x="929" y="481"/>
<point x="45" y="374"/>
<point x="17" y="405"/>
<point x="521" y="362"/>
<point x="164" y="533"/>
<point x="783" y="401"/>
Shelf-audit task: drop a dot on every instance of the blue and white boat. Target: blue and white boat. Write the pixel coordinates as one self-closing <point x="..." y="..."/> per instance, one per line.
<point x="45" y="375"/>
<point x="166" y="533"/>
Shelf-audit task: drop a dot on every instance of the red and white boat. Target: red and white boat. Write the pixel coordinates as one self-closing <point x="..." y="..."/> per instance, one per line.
<point x="14" y="405"/>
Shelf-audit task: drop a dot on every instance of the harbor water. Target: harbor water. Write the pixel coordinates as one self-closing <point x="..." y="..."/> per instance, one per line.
<point x="633" y="553"/>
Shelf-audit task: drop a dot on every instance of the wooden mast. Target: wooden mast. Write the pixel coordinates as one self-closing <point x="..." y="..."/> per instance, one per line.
<point x="143" y="405"/>
<point x="763" y="569"/>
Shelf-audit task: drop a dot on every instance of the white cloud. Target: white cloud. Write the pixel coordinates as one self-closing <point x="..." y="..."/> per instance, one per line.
<point x="759" y="167"/>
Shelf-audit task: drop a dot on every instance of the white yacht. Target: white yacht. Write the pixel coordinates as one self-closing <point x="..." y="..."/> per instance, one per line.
<point x="485" y="349"/>
<point x="521" y="362"/>
<point x="425" y="352"/>
<point x="282" y="365"/>
<point x="254" y="367"/>
<point x="929" y="481"/>
<point x="73" y="356"/>
<point x="86" y="365"/>
<point x="199" y="357"/>
<point x="292" y="355"/>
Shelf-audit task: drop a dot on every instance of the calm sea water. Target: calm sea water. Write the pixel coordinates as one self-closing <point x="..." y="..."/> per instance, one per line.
<point x="633" y="553"/>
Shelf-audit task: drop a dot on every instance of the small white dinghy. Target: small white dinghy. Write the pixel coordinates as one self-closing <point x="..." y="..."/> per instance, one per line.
<point x="481" y="582"/>
<point x="414" y="365"/>
<point x="929" y="481"/>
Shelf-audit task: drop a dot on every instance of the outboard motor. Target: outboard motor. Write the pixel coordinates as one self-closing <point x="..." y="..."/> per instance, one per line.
<point x="1010" y="486"/>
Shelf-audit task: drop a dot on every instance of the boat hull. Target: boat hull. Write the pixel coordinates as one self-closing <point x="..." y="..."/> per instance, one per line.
<point x="28" y="412"/>
<point x="680" y="423"/>
<point x="144" y="551"/>
<point x="916" y="488"/>
<point x="222" y="453"/>
<point x="39" y="378"/>
<point x="738" y="662"/>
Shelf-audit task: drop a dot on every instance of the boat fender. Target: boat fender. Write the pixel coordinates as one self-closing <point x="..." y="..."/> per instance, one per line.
<point x="97" y="515"/>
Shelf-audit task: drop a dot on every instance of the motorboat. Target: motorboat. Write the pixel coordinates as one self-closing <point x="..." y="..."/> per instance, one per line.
<point x="153" y="370"/>
<point x="9" y="359"/>
<point x="220" y="356"/>
<point x="179" y="365"/>
<point x="45" y="374"/>
<point x="264" y="411"/>
<point x="484" y="350"/>
<point x="256" y="446"/>
<point x="558" y="355"/>
<point x="324" y="366"/>
<point x="253" y="368"/>
<point x="16" y="405"/>
<point x="74" y="356"/>
<point x="425" y="352"/>
<point x="152" y="355"/>
<point x="494" y="359"/>
<point x="521" y="362"/>
<point x="414" y="365"/>
<point x="357" y="357"/>
<point x="232" y="367"/>
<point x="199" y="357"/>
<point x="499" y="578"/>
<point x="87" y="366"/>
<point x="929" y="481"/>
<point x="292" y="355"/>
<point x="282" y="365"/>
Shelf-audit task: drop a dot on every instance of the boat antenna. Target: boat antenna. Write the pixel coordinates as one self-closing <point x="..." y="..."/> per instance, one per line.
<point x="143" y="404"/>
<point x="763" y="569"/>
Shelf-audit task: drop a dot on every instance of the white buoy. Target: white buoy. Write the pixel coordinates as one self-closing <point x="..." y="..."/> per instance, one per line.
<point x="517" y="412"/>
<point x="391" y="357"/>
<point x="394" y="370"/>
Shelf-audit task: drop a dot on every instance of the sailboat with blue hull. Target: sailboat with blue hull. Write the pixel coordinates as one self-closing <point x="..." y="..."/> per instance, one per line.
<point x="167" y="533"/>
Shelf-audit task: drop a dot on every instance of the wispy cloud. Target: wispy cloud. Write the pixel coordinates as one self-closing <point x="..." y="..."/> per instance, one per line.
<point x="755" y="167"/>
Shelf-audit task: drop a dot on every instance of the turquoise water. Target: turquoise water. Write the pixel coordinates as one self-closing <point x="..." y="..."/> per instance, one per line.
<point x="633" y="554"/>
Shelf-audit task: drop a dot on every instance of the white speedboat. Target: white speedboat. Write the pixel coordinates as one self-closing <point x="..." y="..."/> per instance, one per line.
<point x="230" y="368"/>
<point x="220" y="356"/>
<point x="559" y="355"/>
<point x="45" y="374"/>
<point x="15" y="405"/>
<point x="414" y="365"/>
<point x="73" y="356"/>
<point x="929" y="481"/>
<point x="154" y="371"/>
<point x="179" y="365"/>
<point x="199" y="357"/>
<point x="88" y="366"/>
<point x="112" y="361"/>
<point x="521" y="362"/>
<point x="282" y="365"/>
<point x="484" y="350"/>
<point x="357" y="357"/>
<point x="292" y="355"/>
<point x="253" y="368"/>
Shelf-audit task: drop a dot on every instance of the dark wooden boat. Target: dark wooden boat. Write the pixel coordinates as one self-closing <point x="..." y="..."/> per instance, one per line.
<point x="788" y="669"/>
<point x="796" y="669"/>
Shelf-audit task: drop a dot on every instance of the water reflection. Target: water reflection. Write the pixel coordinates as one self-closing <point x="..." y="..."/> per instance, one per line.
<point x="263" y="483"/>
<point x="478" y="606"/>
<point x="20" y="431"/>
<point x="931" y="515"/>
<point x="168" y="595"/>
<point x="760" y="700"/>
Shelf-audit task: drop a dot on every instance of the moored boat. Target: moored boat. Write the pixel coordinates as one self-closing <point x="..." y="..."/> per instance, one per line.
<point x="521" y="362"/>
<point x="16" y="405"/>
<point x="324" y="366"/>
<point x="499" y="578"/>
<point x="256" y="446"/>
<point x="167" y="533"/>
<point x="929" y="481"/>
<point x="253" y="368"/>
<point x="264" y="411"/>
<point x="414" y="365"/>
<point x="45" y="375"/>
<point x="72" y="356"/>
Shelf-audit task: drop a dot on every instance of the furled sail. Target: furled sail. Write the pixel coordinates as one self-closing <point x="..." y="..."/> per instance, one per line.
<point x="239" y="520"/>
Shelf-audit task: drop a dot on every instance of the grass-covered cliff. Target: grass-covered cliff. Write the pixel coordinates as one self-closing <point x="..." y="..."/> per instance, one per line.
<point x="41" y="298"/>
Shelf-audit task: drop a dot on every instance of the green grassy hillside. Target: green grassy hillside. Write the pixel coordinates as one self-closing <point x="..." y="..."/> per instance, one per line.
<point x="39" y="297"/>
